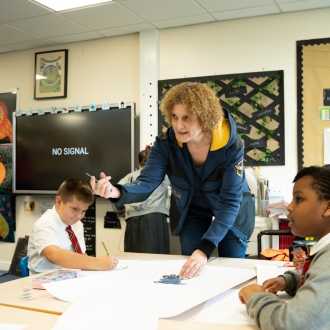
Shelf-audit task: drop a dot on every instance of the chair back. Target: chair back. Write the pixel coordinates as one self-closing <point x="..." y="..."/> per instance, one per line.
<point x="23" y="265"/>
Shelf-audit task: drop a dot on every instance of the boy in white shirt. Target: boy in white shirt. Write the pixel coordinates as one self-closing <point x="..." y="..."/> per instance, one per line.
<point x="57" y="237"/>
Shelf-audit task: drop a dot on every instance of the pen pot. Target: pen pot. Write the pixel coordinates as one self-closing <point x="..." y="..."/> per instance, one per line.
<point x="262" y="208"/>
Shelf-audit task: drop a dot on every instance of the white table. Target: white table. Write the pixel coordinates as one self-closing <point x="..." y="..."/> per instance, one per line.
<point x="48" y="309"/>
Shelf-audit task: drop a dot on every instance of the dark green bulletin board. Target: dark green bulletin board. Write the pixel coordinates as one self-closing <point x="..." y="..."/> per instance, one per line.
<point x="256" y="101"/>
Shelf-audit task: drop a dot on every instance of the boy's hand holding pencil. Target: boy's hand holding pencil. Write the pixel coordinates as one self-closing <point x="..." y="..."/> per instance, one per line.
<point x="114" y="260"/>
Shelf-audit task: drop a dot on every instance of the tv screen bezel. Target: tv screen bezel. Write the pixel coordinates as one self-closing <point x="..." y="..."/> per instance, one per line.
<point x="71" y="109"/>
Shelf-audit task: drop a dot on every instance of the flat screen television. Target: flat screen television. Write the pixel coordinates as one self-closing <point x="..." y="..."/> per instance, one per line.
<point x="49" y="148"/>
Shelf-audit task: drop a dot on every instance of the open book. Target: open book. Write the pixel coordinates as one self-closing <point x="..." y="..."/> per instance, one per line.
<point x="54" y="276"/>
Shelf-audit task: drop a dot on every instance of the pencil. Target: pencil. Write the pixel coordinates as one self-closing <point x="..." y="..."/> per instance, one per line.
<point x="106" y="251"/>
<point x="91" y="176"/>
<point x="303" y="253"/>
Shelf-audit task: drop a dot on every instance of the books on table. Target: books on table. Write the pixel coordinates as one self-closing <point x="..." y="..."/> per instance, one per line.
<point x="54" y="276"/>
<point x="277" y="208"/>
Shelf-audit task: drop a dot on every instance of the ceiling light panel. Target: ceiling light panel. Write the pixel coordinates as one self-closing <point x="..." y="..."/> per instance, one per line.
<point x="59" y="5"/>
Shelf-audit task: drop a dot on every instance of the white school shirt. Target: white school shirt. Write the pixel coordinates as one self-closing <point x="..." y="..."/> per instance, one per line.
<point x="50" y="230"/>
<point x="324" y="241"/>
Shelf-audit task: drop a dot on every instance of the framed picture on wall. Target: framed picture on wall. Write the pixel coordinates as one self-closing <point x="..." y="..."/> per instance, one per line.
<point x="51" y="73"/>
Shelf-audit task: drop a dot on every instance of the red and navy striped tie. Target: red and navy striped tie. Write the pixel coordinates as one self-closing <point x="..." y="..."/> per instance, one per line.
<point x="74" y="240"/>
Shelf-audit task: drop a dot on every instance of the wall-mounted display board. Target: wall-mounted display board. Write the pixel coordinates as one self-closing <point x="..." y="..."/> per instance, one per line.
<point x="256" y="101"/>
<point x="54" y="146"/>
<point x="89" y="222"/>
<point x="313" y="83"/>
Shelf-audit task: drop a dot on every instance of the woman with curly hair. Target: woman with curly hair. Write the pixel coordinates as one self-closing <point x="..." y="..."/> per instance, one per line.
<point x="202" y="156"/>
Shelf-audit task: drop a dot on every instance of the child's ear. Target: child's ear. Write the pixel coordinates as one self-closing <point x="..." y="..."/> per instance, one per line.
<point x="58" y="200"/>
<point x="327" y="209"/>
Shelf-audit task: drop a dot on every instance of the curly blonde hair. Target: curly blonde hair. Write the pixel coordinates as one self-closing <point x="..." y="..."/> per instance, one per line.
<point x="201" y="103"/>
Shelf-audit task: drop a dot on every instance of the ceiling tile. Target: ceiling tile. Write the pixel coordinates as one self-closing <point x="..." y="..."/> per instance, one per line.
<point x="26" y="24"/>
<point x="5" y="50"/>
<point x="155" y="10"/>
<point x="126" y="30"/>
<point x="10" y="35"/>
<point x="53" y="25"/>
<point x="249" y="12"/>
<point x="12" y="10"/>
<point x="216" y="5"/>
<point x="282" y="1"/>
<point x="183" y="21"/>
<point x="103" y="16"/>
<point x="303" y="5"/>
<point x="31" y="44"/>
<point x="76" y="37"/>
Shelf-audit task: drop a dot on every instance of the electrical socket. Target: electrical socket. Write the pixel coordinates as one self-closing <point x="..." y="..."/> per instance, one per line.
<point x="275" y="191"/>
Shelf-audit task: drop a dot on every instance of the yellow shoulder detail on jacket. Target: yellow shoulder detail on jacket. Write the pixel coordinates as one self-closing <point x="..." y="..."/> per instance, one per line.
<point x="220" y="135"/>
<point x="178" y="142"/>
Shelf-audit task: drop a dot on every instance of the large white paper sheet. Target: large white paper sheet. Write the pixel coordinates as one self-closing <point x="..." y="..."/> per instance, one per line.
<point x="171" y="299"/>
<point x="109" y="314"/>
<point x="9" y="326"/>
<point x="266" y="272"/>
<point x="122" y="264"/>
<point x="76" y="288"/>
<point x="225" y="308"/>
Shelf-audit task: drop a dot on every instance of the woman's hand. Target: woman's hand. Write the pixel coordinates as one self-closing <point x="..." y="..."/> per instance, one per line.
<point x="194" y="265"/>
<point x="274" y="284"/>
<point x="103" y="187"/>
<point x="246" y="292"/>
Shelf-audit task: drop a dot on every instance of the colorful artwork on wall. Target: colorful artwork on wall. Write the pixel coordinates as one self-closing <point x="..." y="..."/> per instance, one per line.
<point x="6" y="170"/>
<point x="6" y="220"/>
<point x="8" y="104"/>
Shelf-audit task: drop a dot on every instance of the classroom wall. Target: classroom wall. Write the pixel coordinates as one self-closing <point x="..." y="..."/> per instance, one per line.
<point x="94" y="73"/>
<point x="247" y="45"/>
<point x="108" y="70"/>
<point x="94" y="76"/>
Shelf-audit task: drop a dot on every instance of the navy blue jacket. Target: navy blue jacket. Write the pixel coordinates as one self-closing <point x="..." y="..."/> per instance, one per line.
<point x="222" y="182"/>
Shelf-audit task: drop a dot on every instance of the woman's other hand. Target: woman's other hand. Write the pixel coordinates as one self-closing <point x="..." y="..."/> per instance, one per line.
<point x="194" y="265"/>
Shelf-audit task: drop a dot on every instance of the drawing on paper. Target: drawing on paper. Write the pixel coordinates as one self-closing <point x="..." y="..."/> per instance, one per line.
<point x="170" y="279"/>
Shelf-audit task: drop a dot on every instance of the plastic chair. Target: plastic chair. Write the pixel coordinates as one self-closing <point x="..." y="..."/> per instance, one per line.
<point x="274" y="232"/>
<point x="277" y="232"/>
<point x="23" y="265"/>
<point x="298" y="241"/>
